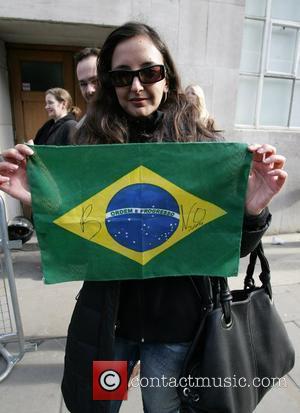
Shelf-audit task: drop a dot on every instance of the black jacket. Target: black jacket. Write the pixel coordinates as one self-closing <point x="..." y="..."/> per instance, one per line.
<point x="57" y="133"/>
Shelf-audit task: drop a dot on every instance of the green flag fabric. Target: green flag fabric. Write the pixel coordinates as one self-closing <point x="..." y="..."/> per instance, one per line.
<point x="135" y="211"/>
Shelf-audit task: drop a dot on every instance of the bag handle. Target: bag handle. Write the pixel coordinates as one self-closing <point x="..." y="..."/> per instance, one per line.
<point x="214" y="292"/>
<point x="249" y="283"/>
<point x="265" y="275"/>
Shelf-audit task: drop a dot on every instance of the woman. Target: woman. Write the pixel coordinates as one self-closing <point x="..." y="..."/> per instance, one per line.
<point x="61" y="127"/>
<point x="154" y="320"/>
<point x="195" y="95"/>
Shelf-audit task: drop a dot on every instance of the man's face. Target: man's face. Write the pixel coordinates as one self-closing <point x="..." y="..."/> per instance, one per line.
<point x="87" y="77"/>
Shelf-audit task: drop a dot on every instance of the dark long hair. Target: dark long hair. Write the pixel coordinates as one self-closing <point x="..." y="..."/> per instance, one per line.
<point x="106" y="121"/>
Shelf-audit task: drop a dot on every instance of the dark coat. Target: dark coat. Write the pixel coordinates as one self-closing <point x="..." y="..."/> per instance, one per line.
<point x="57" y="133"/>
<point x="92" y="328"/>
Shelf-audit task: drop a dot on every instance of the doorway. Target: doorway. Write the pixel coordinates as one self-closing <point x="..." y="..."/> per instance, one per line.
<point x="32" y="71"/>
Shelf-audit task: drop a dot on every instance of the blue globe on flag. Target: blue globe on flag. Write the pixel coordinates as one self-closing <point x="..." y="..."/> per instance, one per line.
<point x="142" y="216"/>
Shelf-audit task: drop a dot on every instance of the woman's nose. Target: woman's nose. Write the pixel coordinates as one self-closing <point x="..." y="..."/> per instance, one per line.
<point x="136" y="85"/>
<point x="91" y="88"/>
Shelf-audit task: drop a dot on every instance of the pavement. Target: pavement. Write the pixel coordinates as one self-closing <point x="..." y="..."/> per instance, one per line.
<point x="33" y="386"/>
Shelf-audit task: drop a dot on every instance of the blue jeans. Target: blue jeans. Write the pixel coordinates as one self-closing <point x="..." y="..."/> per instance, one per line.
<point x="159" y="363"/>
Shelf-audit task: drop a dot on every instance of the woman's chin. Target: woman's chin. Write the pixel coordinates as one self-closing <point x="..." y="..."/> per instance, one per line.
<point x="140" y="112"/>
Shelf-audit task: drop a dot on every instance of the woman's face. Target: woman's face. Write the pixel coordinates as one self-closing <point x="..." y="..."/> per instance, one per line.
<point x="138" y="99"/>
<point x="54" y="108"/>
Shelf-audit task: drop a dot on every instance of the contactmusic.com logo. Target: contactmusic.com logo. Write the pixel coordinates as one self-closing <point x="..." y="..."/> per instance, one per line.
<point x="110" y="381"/>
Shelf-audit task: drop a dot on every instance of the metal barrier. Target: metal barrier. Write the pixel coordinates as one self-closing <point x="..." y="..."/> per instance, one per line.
<point x="11" y="329"/>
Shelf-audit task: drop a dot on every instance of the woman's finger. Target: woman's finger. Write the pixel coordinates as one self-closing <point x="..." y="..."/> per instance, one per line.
<point x="13" y="155"/>
<point x="277" y="160"/>
<point x="280" y="175"/>
<point x="266" y="148"/>
<point x="3" y="180"/>
<point x="252" y="147"/>
<point x="8" y="167"/>
<point x="278" y="172"/>
<point x="24" y="149"/>
<point x="18" y="153"/>
<point x="261" y="148"/>
<point x="260" y="152"/>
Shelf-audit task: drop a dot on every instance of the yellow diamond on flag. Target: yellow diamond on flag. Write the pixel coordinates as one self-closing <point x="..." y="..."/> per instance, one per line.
<point x="139" y="216"/>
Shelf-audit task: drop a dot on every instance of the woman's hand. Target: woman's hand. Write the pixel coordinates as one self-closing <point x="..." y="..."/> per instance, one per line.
<point x="266" y="178"/>
<point x="13" y="177"/>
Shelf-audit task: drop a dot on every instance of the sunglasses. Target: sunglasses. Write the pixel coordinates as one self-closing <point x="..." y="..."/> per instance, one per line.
<point x="146" y="75"/>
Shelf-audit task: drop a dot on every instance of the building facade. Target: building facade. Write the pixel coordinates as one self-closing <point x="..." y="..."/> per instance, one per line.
<point x="244" y="54"/>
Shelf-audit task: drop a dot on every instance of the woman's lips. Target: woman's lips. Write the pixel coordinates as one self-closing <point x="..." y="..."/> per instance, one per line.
<point x="138" y="101"/>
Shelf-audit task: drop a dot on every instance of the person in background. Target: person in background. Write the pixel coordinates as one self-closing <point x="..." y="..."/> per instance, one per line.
<point x="195" y="95"/>
<point x="86" y="71"/>
<point x="61" y="127"/>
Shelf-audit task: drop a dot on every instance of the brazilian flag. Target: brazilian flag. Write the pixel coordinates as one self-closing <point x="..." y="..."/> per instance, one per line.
<point x="134" y="211"/>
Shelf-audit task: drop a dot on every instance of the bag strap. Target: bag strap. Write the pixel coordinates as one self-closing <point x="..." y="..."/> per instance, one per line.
<point x="214" y="292"/>
<point x="265" y="275"/>
<point x="249" y="283"/>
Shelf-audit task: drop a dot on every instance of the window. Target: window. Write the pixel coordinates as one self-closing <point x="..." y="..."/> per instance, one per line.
<point x="269" y="84"/>
<point x="40" y="75"/>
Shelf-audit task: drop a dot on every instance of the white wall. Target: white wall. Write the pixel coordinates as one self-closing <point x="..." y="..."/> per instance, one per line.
<point x="209" y="47"/>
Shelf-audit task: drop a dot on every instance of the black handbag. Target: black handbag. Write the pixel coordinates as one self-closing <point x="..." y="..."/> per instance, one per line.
<point x="241" y="348"/>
